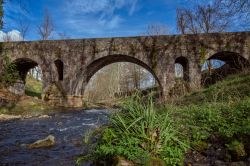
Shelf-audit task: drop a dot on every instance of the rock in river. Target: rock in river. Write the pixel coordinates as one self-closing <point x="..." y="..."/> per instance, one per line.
<point x="43" y="143"/>
<point x="4" y="117"/>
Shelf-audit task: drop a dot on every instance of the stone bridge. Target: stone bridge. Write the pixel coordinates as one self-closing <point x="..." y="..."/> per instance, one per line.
<point x="68" y="65"/>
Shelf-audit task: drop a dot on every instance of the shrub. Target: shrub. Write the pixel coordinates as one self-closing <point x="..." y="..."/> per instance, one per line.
<point x="138" y="133"/>
<point x="9" y="75"/>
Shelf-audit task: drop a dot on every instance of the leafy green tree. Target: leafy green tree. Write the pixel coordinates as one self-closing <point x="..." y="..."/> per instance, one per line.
<point x="9" y="73"/>
<point x="1" y="14"/>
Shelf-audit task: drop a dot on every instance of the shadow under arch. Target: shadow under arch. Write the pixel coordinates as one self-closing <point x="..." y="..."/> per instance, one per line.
<point x="23" y="66"/>
<point x="229" y="63"/>
<point x="233" y="59"/>
<point x="60" y="69"/>
<point x="98" y="64"/>
<point x="183" y="61"/>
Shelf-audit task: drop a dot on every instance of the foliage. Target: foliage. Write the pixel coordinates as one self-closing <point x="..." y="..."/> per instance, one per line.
<point x="238" y="148"/>
<point x="33" y="87"/>
<point x="203" y="54"/>
<point x="9" y="75"/>
<point x="1" y="14"/>
<point x="140" y="131"/>
<point x="232" y="89"/>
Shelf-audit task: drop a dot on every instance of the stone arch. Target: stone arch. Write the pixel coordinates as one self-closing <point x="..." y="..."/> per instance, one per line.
<point x="23" y="65"/>
<point x="229" y="63"/>
<point x="98" y="64"/>
<point x="60" y="69"/>
<point x="183" y="61"/>
<point x="233" y="59"/>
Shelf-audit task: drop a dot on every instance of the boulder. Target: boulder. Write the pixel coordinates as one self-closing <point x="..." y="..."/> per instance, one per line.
<point x="121" y="161"/>
<point x="44" y="117"/>
<point x="155" y="162"/>
<point x="239" y="163"/>
<point x="237" y="150"/>
<point x="5" y="117"/>
<point x="43" y="143"/>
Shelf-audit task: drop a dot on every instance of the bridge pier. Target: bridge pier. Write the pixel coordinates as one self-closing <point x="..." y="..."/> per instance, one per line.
<point x="194" y="76"/>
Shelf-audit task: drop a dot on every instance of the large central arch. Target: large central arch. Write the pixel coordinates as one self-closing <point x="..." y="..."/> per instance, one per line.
<point x="98" y="64"/>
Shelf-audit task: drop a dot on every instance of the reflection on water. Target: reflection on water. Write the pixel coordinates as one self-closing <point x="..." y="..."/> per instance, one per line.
<point x="68" y="129"/>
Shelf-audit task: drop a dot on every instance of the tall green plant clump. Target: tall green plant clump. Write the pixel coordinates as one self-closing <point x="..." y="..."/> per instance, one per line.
<point x="9" y="73"/>
<point x="138" y="133"/>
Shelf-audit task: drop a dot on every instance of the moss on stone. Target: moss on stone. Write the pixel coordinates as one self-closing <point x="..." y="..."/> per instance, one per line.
<point x="237" y="149"/>
<point x="203" y="53"/>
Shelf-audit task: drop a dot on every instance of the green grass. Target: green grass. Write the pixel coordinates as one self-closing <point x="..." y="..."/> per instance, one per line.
<point x="234" y="87"/>
<point x="33" y="87"/>
<point x="141" y="131"/>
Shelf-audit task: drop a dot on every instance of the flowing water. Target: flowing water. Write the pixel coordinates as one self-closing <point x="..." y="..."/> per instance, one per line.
<point x="68" y="129"/>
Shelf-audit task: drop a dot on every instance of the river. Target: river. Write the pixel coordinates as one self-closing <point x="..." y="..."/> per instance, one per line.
<point x="68" y="129"/>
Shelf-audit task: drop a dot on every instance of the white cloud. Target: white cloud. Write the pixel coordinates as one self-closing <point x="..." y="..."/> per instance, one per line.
<point x="114" y="22"/>
<point x="132" y="8"/>
<point x="106" y="7"/>
<point x="13" y="35"/>
<point x="96" y="16"/>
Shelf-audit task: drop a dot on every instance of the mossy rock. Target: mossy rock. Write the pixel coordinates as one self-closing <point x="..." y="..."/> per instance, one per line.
<point x="43" y="143"/>
<point x="200" y="146"/>
<point x="121" y="161"/>
<point x="237" y="150"/>
<point x="155" y="162"/>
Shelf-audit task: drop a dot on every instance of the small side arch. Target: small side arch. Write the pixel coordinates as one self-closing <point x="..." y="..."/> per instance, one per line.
<point x="60" y="67"/>
<point x="23" y="65"/>
<point x="182" y="68"/>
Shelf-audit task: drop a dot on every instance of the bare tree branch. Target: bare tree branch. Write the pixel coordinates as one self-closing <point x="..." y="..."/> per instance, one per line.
<point x="23" y="27"/>
<point x="46" y="28"/>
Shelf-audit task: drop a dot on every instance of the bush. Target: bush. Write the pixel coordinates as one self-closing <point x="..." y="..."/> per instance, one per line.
<point x="138" y="133"/>
<point x="9" y="75"/>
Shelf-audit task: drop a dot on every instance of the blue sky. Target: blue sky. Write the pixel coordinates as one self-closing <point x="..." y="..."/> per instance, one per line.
<point x="92" y="18"/>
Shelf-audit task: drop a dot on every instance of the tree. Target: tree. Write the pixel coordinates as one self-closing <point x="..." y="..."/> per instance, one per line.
<point x="202" y="19"/>
<point x="156" y="29"/>
<point x="239" y="10"/>
<point x="63" y="35"/>
<point x="46" y="28"/>
<point x="1" y="14"/>
<point x="216" y="16"/>
<point x="23" y="28"/>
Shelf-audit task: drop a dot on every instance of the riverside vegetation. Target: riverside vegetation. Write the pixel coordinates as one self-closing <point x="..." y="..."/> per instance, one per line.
<point x="210" y="121"/>
<point x="27" y="105"/>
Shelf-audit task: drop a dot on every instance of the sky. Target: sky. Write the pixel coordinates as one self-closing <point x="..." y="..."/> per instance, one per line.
<point x="91" y="18"/>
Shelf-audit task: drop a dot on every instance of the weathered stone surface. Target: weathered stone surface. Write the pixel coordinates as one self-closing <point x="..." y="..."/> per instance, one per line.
<point x="120" y="161"/>
<point x="240" y="163"/>
<point x="69" y="64"/>
<point x="44" y="117"/>
<point x="18" y="88"/>
<point x="4" y="117"/>
<point x="43" y="143"/>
